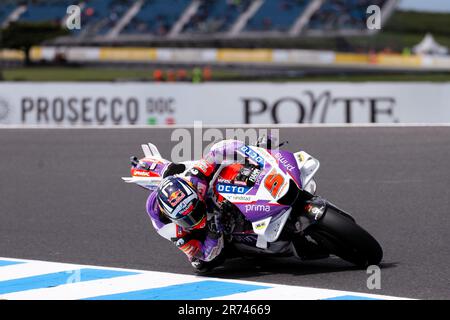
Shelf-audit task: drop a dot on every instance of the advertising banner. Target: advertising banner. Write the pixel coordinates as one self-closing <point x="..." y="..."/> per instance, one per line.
<point x="85" y="104"/>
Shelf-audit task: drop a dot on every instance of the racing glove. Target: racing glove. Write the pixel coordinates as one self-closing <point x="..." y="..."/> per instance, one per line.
<point x="214" y="226"/>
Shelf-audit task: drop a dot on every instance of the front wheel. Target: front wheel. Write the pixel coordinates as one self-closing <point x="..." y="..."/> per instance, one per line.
<point x="341" y="236"/>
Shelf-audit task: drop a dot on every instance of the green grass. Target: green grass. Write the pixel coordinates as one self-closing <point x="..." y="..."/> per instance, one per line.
<point x="90" y="74"/>
<point x="419" y="22"/>
<point x="404" y="29"/>
<point x="444" y="77"/>
<point x="395" y="41"/>
<point x="74" y="74"/>
<point x="43" y="74"/>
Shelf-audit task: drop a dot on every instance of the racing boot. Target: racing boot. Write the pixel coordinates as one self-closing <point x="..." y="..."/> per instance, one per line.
<point x="202" y="267"/>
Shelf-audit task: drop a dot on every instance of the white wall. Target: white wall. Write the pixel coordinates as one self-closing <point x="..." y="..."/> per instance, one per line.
<point x="222" y="103"/>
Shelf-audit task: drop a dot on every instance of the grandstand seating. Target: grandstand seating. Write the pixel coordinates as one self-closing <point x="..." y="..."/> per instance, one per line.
<point x="97" y="15"/>
<point x="95" y="11"/>
<point x="5" y="10"/>
<point x="45" y="11"/>
<point x="276" y="15"/>
<point x="156" y="17"/>
<point x="101" y="16"/>
<point x="216" y="16"/>
<point x="341" y="15"/>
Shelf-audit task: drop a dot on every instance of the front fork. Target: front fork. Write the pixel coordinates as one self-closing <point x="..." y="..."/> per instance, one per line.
<point x="306" y="212"/>
<point x="307" y="209"/>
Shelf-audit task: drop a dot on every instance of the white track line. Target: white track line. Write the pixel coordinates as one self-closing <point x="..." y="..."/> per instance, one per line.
<point x="280" y="292"/>
<point x="94" y="288"/>
<point x="31" y="269"/>
<point x="149" y="280"/>
<point x="225" y="126"/>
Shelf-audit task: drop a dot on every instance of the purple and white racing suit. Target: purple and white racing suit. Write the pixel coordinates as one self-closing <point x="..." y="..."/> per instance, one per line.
<point x="201" y="244"/>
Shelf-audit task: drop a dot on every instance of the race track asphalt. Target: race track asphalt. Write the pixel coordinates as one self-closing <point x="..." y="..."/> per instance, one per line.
<point x="62" y="200"/>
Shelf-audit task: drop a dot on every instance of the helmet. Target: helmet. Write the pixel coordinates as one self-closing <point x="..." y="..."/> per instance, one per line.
<point x="179" y="201"/>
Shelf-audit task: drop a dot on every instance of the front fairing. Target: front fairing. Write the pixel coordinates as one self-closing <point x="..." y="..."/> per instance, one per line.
<point x="259" y="200"/>
<point x="259" y="203"/>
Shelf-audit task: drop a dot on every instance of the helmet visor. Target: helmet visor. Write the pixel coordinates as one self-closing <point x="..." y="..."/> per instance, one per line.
<point x="193" y="217"/>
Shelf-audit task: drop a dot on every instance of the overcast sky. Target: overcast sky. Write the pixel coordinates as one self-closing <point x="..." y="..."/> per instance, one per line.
<point x="426" y="5"/>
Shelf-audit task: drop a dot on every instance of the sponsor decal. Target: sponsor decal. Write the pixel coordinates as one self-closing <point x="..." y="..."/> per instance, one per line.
<point x="144" y="173"/>
<point x="238" y="198"/>
<point x="254" y="103"/>
<point x="260" y="226"/>
<point x="140" y="173"/>
<point x="315" y="107"/>
<point x="260" y="177"/>
<point x="85" y="110"/>
<point x="176" y="197"/>
<point x="254" y="175"/>
<point x="252" y="155"/>
<point x="315" y="210"/>
<point x="241" y="183"/>
<point x="95" y="110"/>
<point x="257" y="208"/>
<point x="230" y="188"/>
<point x="203" y="166"/>
<point x="284" y="162"/>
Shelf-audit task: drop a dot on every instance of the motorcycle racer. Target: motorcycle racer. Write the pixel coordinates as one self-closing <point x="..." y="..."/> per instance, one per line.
<point x="265" y="205"/>
<point x="182" y="211"/>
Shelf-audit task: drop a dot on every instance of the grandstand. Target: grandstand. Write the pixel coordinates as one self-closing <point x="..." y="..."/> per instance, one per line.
<point x="236" y="38"/>
<point x="352" y="15"/>
<point x="44" y="11"/>
<point x="141" y="20"/>
<point x="277" y="15"/>
<point x="6" y="11"/>
<point x="215" y="16"/>
<point x="155" y="17"/>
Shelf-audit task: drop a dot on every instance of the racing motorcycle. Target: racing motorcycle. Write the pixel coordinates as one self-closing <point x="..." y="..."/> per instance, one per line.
<point x="268" y="206"/>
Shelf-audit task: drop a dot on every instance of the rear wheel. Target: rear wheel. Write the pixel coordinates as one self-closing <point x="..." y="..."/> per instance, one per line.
<point x="341" y="236"/>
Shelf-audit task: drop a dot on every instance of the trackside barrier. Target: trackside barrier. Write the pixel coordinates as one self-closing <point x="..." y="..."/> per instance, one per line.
<point x="140" y="103"/>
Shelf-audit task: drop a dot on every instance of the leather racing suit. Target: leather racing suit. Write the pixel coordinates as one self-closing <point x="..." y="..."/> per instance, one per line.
<point x="206" y="244"/>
